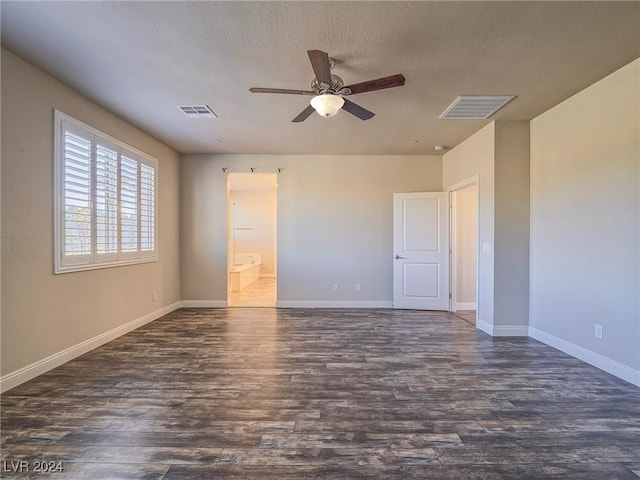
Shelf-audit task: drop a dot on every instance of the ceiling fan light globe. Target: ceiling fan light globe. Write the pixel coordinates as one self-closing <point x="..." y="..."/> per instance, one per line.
<point x="327" y="104"/>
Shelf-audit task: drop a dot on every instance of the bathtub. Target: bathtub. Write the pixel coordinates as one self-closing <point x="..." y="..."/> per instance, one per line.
<point x="245" y="270"/>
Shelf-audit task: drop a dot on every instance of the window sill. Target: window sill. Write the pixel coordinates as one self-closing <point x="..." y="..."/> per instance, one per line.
<point x="59" y="269"/>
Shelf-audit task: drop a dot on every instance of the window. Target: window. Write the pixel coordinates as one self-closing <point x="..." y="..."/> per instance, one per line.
<point x="105" y="205"/>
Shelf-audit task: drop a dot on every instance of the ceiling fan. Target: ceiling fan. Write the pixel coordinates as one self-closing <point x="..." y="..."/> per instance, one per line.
<point x="329" y="91"/>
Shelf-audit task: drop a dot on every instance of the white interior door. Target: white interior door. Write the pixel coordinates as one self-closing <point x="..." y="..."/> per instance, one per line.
<point x="421" y="250"/>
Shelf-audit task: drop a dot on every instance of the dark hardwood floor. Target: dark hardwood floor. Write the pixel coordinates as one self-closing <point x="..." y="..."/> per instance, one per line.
<point x="322" y="394"/>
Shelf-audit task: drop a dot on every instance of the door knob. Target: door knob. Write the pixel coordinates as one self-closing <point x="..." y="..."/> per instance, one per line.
<point x="398" y="257"/>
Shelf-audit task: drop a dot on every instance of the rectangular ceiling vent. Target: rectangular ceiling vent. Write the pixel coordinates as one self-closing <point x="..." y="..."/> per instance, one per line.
<point x="197" y="111"/>
<point x="475" y="106"/>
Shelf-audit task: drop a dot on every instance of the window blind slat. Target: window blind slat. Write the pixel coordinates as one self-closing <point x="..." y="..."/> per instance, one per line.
<point x="106" y="200"/>
<point x="147" y="208"/>
<point x="128" y="204"/>
<point x="77" y="194"/>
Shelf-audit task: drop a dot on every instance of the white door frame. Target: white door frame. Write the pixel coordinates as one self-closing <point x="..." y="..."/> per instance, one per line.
<point x="470" y="182"/>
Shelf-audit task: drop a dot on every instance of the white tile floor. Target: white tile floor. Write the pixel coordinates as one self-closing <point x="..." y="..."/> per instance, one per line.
<point x="259" y="294"/>
<point x="468" y="316"/>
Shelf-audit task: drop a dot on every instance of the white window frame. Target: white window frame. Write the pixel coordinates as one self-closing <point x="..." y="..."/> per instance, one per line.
<point x="73" y="263"/>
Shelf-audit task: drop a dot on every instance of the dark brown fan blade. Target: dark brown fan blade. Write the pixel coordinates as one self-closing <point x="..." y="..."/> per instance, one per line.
<point x="321" y="65"/>
<point x="281" y="90"/>
<point x="304" y="114"/>
<point x="378" y="84"/>
<point x="357" y="110"/>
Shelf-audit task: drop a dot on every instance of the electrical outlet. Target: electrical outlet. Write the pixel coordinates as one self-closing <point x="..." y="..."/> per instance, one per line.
<point x="154" y="296"/>
<point x="358" y="287"/>
<point x="598" y="331"/>
<point x="336" y="287"/>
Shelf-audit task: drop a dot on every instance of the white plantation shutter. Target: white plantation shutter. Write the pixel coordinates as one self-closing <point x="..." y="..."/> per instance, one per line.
<point x="128" y="204"/>
<point x="147" y="208"/>
<point x="106" y="203"/>
<point x="77" y="194"/>
<point x="105" y="200"/>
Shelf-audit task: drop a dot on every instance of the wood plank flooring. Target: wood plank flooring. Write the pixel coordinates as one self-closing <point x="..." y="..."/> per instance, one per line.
<point x="244" y="393"/>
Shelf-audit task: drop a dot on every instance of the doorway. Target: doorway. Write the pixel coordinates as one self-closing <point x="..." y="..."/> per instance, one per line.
<point x="464" y="250"/>
<point x="252" y="239"/>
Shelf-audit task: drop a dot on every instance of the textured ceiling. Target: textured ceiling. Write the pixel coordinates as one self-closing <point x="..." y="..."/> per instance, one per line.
<point x="141" y="59"/>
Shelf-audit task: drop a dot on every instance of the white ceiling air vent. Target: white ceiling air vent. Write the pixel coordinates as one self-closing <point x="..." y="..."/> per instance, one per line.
<point x="475" y="106"/>
<point x="197" y="111"/>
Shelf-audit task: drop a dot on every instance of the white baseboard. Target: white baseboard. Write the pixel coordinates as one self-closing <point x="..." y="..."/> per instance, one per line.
<point x="485" y="327"/>
<point x="333" y="304"/>
<point x="465" y="306"/>
<point x="503" y="330"/>
<point x="204" y="304"/>
<point x="510" y="331"/>
<point x="592" y="358"/>
<point x="24" y="374"/>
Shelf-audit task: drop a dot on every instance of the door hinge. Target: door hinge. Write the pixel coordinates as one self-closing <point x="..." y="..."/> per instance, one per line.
<point x="449" y="296"/>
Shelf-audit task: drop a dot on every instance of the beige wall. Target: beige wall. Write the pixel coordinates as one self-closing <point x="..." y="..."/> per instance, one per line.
<point x="466" y="246"/>
<point x="475" y="157"/>
<point x="42" y="313"/>
<point x="511" y="260"/>
<point x="256" y="210"/>
<point x="585" y="219"/>
<point x="498" y="155"/>
<point x="334" y="223"/>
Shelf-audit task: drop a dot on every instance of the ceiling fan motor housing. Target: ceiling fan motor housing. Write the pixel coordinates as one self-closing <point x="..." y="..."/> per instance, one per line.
<point x="336" y="87"/>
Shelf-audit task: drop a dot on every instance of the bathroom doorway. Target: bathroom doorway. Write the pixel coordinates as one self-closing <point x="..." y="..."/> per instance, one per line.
<point x="464" y="250"/>
<point x="252" y="239"/>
